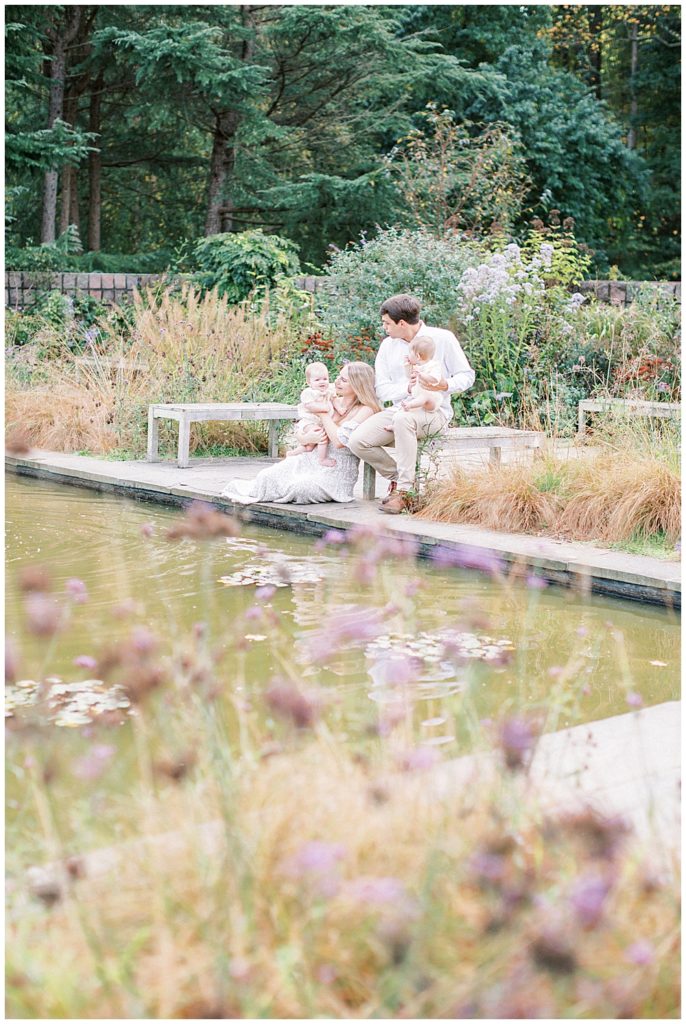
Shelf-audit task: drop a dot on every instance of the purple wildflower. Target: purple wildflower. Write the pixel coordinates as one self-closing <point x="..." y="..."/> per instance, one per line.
<point x="346" y="625"/>
<point x="419" y="759"/>
<point x="92" y="765"/>
<point x="85" y="661"/>
<point x="11" y="662"/>
<point x="588" y="899"/>
<point x="517" y="737"/>
<point x="534" y="582"/>
<point x="143" y="641"/>
<point x="663" y="387"/>
<point x="634" y="700"/>
<point x="318" y="865"/>
<point x="467" y="556"/>
<point x="488" y="866"/>
<point x="287" y="700"/>
<point x="641" y="953"/>
<point x="377" y="892"/>
<point x="265" y="593"/>
<point x="335" y="537"/>
<point x="43" y="614"/>
<point x="76" y="589"/>
<point x="394" y="669"/>
<point x="147" y="530"/>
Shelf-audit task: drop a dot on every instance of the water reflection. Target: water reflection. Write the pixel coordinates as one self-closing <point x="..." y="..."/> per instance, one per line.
<point x="439" y="634"/>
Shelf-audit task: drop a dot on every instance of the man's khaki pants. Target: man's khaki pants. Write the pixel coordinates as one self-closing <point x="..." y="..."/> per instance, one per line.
<point x="395" y="428"/>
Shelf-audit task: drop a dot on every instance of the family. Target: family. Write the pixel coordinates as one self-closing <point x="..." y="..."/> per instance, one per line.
<point x="417" y="369"/>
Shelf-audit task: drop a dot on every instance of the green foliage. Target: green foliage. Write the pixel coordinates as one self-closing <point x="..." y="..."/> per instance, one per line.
<point x="364" y="274"/>
<point x="455" y="177"/>
<point x="239" y="265"/>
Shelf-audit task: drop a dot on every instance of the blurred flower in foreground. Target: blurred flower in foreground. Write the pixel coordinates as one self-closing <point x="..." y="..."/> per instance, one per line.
<point x="76" y="589"/>
<point x="318" y="865"/>
<point x="517" y="737"/>
<point x="34" y="579"/>
<point x="466" y="556"/>
<point x="203" y="522"/>
<point x="346" y="625"/>
<point x="376" y="892"/>
<point x="554" y="951"/>
<point x="634" y="700"/>
<point x="602" y="835"/>
<point x="640" y="953"/>
<point x="11" y="662"/>
<point x="85" y="661"/>
<point x="588" y="898"/>
<point x="92" y="765"/>
<point x="43" y="614"/>
<point x="420" y="759"/>
<point x="17" y="443"/>
<point x="286" y="700"/>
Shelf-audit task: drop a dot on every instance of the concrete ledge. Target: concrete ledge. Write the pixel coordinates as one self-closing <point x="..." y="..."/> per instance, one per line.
<point x="603" y="571"/>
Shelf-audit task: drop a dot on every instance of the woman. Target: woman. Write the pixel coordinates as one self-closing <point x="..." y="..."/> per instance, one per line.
<point x="302" y="480"/>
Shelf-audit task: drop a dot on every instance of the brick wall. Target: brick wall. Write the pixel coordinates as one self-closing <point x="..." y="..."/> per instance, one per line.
<point x="21" y="287"/>
<point x="621" y="293"/>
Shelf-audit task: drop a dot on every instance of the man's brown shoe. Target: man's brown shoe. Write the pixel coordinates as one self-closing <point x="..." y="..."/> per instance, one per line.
<point x="396" y="504"/>
<point x="391" y="491"/>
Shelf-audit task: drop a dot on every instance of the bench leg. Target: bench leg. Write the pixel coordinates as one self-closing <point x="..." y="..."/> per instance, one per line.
<point x="273" y="443"/>
<point x="184" y="442"/>
<point x="495" y="455"/>
<point x="368" y="482"/>
<point x="582" y="422"/>
<point x="153" y="437"/>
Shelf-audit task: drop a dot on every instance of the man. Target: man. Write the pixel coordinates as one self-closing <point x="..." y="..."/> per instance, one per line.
<point x="395" y="427"/>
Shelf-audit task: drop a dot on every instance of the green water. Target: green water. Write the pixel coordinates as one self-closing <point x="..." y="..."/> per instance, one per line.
<point x="170" y="586"/>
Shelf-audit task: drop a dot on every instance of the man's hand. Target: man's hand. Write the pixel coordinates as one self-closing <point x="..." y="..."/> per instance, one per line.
<point x="432" y="385"/>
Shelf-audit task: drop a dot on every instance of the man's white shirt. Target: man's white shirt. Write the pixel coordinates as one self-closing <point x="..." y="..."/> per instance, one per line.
<point x="391" y="376"/>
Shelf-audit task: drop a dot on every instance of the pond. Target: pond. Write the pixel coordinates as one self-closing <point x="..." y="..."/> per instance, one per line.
<point x="514" y="642"/>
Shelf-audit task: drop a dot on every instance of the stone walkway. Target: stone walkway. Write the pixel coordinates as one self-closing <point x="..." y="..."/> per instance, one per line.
<point x="638" y="577"/>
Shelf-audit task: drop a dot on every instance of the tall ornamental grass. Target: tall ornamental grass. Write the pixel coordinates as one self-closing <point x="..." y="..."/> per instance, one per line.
<point x="181" y="347"/>
<point x="626" y="487"/>
<point x="272" y="859"/>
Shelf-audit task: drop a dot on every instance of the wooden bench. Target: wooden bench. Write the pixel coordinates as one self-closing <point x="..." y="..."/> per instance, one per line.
<point x="187" y="413"/>
<point x="459" y="439"/>
<point x="627" y="406"/>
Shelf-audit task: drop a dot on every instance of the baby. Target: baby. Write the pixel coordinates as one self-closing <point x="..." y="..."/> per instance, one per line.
<point x="315" y="399"/>
<point x="421" y="358"/>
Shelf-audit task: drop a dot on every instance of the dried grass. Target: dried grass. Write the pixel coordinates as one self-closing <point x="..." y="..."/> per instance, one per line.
<point x="185" y="348"/>
<point x="611" y="496"/>
<point x="503" y="498"/>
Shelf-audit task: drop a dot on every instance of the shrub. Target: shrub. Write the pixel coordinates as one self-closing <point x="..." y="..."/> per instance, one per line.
<point x="239" y="265"/>
<point x="364" y="274"/>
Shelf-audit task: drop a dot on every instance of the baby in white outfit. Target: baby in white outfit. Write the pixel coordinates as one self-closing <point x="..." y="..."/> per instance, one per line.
<point x="315" y="399"/>
<point x="420" y="357"/>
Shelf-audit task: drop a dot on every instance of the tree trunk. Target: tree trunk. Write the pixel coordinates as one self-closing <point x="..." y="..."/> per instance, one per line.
<point x="68" y="172"/>
<point x="95" y="169"/>
<point x="633" y="106"/>
<point x="596" y="56"/>
<point x="222" y="161"/>
<point x="221" y="165"/>
<point x="60" y="37"/>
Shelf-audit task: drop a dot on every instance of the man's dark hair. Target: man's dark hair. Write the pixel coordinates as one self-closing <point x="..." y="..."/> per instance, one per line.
<point x="402" y="307"/>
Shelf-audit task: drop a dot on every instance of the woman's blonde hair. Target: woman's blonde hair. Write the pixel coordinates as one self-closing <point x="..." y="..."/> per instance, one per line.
<point x="361" y="378"/>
